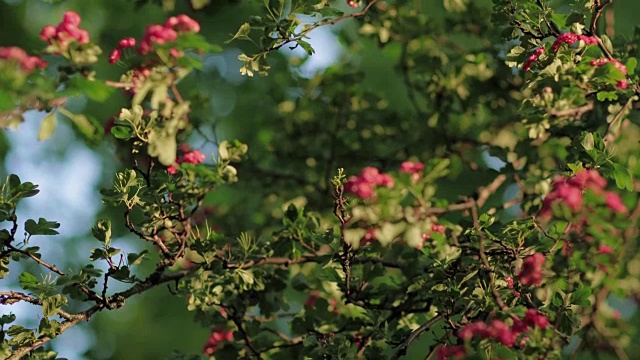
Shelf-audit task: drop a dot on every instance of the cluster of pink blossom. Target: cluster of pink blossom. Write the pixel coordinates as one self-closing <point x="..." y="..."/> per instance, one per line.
<point x="161" y="34"/>
<point x="412" y="168"/>
<point x="532" y="58"/>
<point x="501" y="331"/>
<point x="447" y="352"/>
<point x="217" y="336"/>
<point x="622" y="84"/>
<point x="364" y="184"/>
<point x="65" y="33"/>
<point x="569" y="38"/>
<point x="531" y="272"/>
<point x="125" y="43"/>
<point x="158" y="35"/>
<point x="569" y="191"/>
<point x="188" y="156"/>
<point x="27" y="63"/>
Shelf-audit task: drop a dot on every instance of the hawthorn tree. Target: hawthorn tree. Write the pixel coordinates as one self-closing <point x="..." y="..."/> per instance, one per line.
<point x="458" y="185"/>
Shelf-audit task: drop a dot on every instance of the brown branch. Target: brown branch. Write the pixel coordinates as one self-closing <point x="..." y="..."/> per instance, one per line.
<point x="600" y="5"/>
<point x="322" y="23"/>
<point x="90" y="294"/>
<point x="14" y="297"/>
<point x="281" y="261"/>
<point x="575" y="113"/>
<point x="153" y="280"/>
<point x="246" y="338"/>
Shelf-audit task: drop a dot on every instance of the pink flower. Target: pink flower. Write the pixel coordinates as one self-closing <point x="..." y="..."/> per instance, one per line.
<point x="588" y="179"/>
<point x="570" y="38"/>
<point x="531" y="272"/>
<point x="115" y="56"/>
<point x="411" y="167"/>
<point x="72" y="18"/>
<point x="605" y="249"/>
<point x="534" y="318"/>
<point x="437" y="228"/>
<point x="359" y="187"/>
<point x="66" y="32"/>
<point x="615" y="203"/>
<point x="509" y="281"/>
<point x="386" y="181"/>
<point x="193" y="157"/>
<point x="172" y="169"/>
<point x="48" y="32"/>
<point x="476" y="329"/>
<point x="27" y="63"/>
<point x="127" y="43"/>
<point x="182" y="23"/>
<point x="364" y="184"/>
<point x="217" y="336"/>
<point x="502" y="332"/>
<point x="446" y="352"/>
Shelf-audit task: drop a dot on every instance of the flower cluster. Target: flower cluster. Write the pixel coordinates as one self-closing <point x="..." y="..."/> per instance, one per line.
<point x="217" y="336"/>
<point x="531" y="272"/>
<point x="622" y="84"/>
<point x="501" y="331"/>
<point x="61" y="36"/>
<point x="189" y="156"/>
<point x="570" y="38"/>
<point x="27" y="63"/>
<point x="412" y="168"/>
<point x="364" y="184"/>
<point x="123" y="44"/>
<point x="161" y="34"/>
<point x="569" y="191"/>
<point x="451" y="352"/>
<point x="532" y="58"/>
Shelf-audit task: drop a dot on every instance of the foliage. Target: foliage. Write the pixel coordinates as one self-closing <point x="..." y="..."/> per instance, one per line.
<point x="475" y="198"/>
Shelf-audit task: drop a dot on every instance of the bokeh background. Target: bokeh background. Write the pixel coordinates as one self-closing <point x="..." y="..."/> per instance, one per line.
<point x="70" y="172"/>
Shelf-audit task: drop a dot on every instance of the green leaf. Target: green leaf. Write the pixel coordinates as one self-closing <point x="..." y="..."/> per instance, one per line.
<point x="242" y="33"/>
<point x="43" y="227"/>
<point x="50" y="328"/>
<point x="7" y="319"/>
<point x="580" y="297"/>
<point x="588" y="142"/>
<point x="52" y="304"/>
<point x="94" y="90"/>
<point x="623" y="177"/>
<point x="606" y="42"/>
<point x="136" y="259"/>
<point x="97" y="254"/>
<point x="631" y="65"/>
<point x="607" y="96"/>
<point x="122" y="132"/>
<point x="28" y="281"/>
<point x="47" y="126"/>
<point x="306" y="46"/>
<point x="102" y="231"/>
